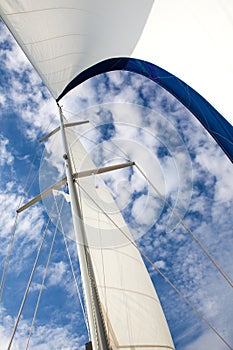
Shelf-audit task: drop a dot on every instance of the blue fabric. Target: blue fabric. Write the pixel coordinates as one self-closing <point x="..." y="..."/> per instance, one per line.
<point x="220" y="129"/>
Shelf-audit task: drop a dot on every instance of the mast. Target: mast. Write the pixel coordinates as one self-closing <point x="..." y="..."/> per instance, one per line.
<point x="97" y="331"/>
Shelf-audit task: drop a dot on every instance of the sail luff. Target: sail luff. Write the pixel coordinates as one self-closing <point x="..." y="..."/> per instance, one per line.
<point x="95" y="322"/>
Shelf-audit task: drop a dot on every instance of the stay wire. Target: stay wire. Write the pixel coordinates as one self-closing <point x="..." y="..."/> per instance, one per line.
<point x="96" y="143"/>
<point x="205" y="251"/>
<point x="198" y="313"/>
<point x="10" y="247"/>
<point x="113" y="143"/>
<point x="11" y="243"/>
<point x="7" y="261"/>
<point x="28" y="284"/>
<point x="210" y="257"/>
<point x="45" y="274"/>
<point x="31" y="167"/>
<point x="29" y="174"/>
<point x="104" y="281"/>
<point x="74" y="277"/>
<point x="122" y="154"/>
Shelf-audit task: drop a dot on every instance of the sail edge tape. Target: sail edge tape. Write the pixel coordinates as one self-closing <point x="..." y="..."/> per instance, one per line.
<point x="217" y="126"/>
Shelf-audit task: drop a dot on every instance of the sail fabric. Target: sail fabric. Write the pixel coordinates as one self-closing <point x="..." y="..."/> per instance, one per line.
<point x="69" y="42"/>
<point x="131" y="309"/>
<point x="190" y="39"/>
<point x="218" y="127"/>
<point x="61" y="38"/>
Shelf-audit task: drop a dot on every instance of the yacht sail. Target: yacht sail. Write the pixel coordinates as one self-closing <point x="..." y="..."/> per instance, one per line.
<point x="68" y="42"/>
<point x="131" y="308"/>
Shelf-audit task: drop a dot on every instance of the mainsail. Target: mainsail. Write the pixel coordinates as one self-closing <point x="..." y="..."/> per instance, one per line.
<point x="131" y="308"/>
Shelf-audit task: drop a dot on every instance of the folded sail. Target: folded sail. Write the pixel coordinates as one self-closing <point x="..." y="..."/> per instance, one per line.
<point x="133" y="315"/>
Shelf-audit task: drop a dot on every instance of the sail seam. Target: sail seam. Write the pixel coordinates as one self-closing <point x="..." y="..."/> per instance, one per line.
<point x="130" y="291"/>
<point x="48" y="9"/>
<point x="54" y="38"/>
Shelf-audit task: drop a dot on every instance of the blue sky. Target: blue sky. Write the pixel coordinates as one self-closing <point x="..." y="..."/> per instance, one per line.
<point x="130" y="117"/>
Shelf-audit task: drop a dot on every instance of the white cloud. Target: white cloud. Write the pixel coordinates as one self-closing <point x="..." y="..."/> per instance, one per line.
<point x="49" y="337"/>
<point x="138" y="131"/>
<point x="57" y="270"/>
<point x="6" y="156"/>
<point x="206" y="341"/>
<point x="161" y="264"/>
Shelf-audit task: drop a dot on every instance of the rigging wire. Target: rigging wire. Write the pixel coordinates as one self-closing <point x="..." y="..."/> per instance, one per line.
<point x="104" y="275"/>
<point x="98" y="316"/>
<point x="76" y="284"/>
<point x="74" y="276"/>
<point x="201" y="246"/>
<point x="122" y="154"/>
<point x="72" y="155"/>
<point x="10" y="246"/>
<point x="198" y="313"/>
<point x="96" y="143"/>
<point x="219" y="268"/>
<point x="28" y="284"/>
<point x="44" y="276"/>
<point x="113" y="143"/>
<point x="210" y="257"/>
<point x="7" y="261"/>
<point x="205" y="251"/>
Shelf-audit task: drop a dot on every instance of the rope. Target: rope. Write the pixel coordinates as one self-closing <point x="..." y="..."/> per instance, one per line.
<point x="44" y="277"/>
<point x="219" y="268"/>
<point x="28" y="285"/>
<point x="198" y="313"/>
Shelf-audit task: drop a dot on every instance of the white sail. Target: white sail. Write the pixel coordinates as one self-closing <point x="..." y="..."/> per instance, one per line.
<point x="62" y="38"/>
<point x="190" y="39"/>
<point x="133" y="315"/>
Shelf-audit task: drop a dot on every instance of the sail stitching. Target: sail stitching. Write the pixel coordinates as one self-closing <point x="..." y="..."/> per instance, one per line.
<point x="47" y="9"/>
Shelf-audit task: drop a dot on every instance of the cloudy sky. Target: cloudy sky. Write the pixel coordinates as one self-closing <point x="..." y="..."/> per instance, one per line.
<point x="130" y="118"/>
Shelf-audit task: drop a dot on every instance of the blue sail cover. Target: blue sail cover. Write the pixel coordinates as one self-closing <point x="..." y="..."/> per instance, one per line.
<point x="218" y="127"/>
